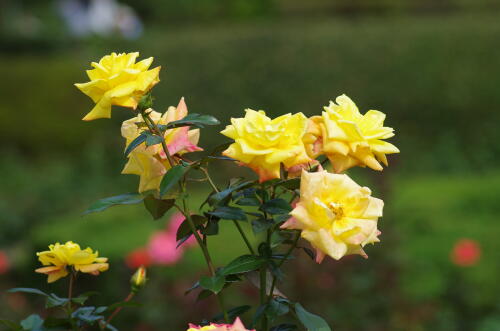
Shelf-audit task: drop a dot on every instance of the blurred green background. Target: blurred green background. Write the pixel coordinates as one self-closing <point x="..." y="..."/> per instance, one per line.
<point x="432" y="66"/>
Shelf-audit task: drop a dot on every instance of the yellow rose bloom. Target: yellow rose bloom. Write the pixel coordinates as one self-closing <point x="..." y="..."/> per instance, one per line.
<point x="336" y="215"/>
<point x="236" y="326"/>
<point x="348" y="138"/>
<point x="59" y="257"/>
<point x="263" y="144"/>
<point x="151" y="163"/>
<point x="118" y="80"/>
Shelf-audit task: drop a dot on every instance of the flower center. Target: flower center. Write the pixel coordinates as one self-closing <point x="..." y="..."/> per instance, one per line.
<point x="336" y="208"/>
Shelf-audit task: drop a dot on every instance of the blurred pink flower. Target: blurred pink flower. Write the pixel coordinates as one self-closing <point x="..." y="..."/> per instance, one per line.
<point x="162" y="246"/>
<point x="4" y="263"/>
<point x="466" y="252"/>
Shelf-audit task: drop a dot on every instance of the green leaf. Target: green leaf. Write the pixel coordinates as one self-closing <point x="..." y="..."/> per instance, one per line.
<point x="220" y="196"/>
<point x="193" y="119"/>
<point x="184" y="229"/>
<point x="32" y="323"/>
<point x="152" y="139"/>
<point x="204" y="294"/>
<point x="244" y="263"/>
<point x="261" y="224"/>
<point x="156" y="207"/>
<point x="248" y="202"/>
<point x="123" y="199"/>
<point x="214" y="284"/>
<point x="291" y="184"/>
<point x="55" y="301"/>
<point x="27" y="290"/>
<point x="276" y="307"/>
<point x="134" y="143"/>
<point x="229" y="213"/>
<point x="232" y="313"/>
<point x="276" y="207"/>
<point x="310" y="321"/>
<point x="171" y="178"/>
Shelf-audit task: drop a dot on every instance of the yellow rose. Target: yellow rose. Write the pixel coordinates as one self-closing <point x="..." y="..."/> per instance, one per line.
<point x="336" y="215"/>
<point x="348" y="138"/>
<point x="59" y="257"/>
<point x="118" y="80"/>
<point x="151" y="163"/>
<point x="236" y="326"/>
<point x="263" y="144"/>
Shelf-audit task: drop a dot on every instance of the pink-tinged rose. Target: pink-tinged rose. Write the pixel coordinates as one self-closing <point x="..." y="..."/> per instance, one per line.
<point x="236" y="326"/>
<point x="137" y="258"/>
<point x="466" y="253"/>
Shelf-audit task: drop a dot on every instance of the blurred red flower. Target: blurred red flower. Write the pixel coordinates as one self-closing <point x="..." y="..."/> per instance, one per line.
<point x="138" y="257"/>
<point x="466" y="252"/>
<point x="4" y="263"/>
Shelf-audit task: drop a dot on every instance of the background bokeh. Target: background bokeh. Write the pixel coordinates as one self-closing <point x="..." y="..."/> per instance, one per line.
<point x="432" y="66"/>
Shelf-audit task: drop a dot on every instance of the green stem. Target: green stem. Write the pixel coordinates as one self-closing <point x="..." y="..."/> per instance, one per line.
<point x="285" y="257"/>
<point x="69" y="308"/>
<point x="263" y="285"/>
<point x="155" y="130"/>
<point x="238" y="226"/>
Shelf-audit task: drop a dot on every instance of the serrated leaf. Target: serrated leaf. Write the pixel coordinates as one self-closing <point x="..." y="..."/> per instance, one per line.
<point x="310" y="253"/>
<point x="229" y="213"/>
<point x="310" y="321"/>
<point x="193" y="119"/>
<point x="276" y="207"/>
<point x="214" y="284"/>
<point x="156" y="207"/>
<point x="27" y="290"/>
<point x="123" y="199"/>
<point x="134" y="143"/>
<point x="242" y="264"/>
<point x="171" y="178"/>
